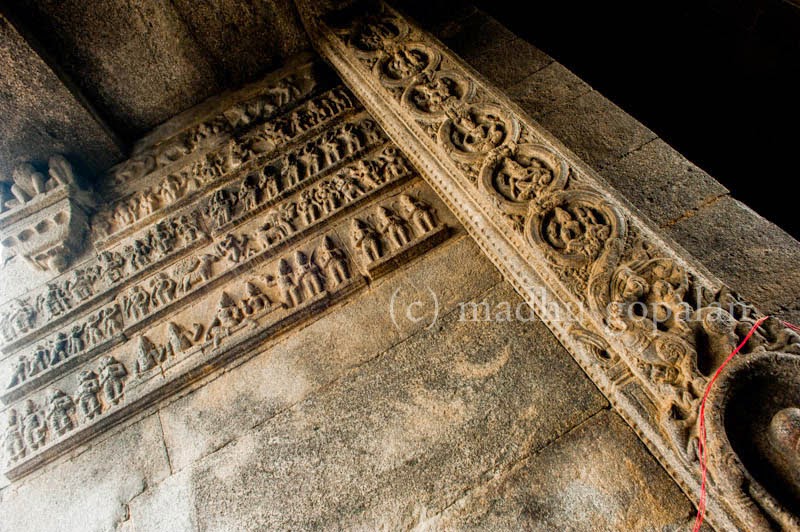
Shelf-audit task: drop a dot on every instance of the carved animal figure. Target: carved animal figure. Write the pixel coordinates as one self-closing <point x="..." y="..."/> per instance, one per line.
<point x="197" y="270"/>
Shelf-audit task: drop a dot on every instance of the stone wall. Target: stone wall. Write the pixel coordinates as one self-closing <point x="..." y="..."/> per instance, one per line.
<point x="363" y="397"/>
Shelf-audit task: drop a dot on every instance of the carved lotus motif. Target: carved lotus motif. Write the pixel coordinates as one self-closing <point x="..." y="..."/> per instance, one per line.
<point x="573" y="227"/>
<point x="470" y="132"/>
<point x="515" y="177"/>
<point x="429" y="97"/>
<point x="400" y="64"/>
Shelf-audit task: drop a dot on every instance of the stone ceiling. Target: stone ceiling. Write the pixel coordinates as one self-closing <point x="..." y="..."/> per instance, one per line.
<point x="88" y="78"/>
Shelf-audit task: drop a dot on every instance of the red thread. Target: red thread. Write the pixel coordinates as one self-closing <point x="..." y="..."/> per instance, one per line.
<point x="701" y="443"/>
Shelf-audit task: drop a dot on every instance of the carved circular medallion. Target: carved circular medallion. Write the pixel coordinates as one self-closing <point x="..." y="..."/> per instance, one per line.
<point x="402" y="63"/>
<point x="573" y="228"/>
<point x="431" y="96"/>
<point x="375" y="33"/>
<point x="470" y="132"/>
<point x="514" y="178"/>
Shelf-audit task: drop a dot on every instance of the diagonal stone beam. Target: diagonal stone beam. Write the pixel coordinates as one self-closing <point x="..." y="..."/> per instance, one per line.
<point x="644" y="319"/>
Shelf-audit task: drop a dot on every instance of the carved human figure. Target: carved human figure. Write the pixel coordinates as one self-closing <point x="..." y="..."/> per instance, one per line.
<point x="249" y="196"/>
<point x="279" y="224"/>
<point x="40" y="360"/>
<point x="333" y="262"/>
<point x="28" y="183"/>
<point x="177" y="341"/>
<point x="372" y="133"/>
<point x="111" y="321"/>
<point x="287" y="288"/>
<point x="393" y="227"/>
<point x="148" y="202"/>
<point x="327" y="196"/>
<point x="34" y="428"/>
<point x="330" y="149"/>
<point x="227" y="316"/>
<point x="81" y="286"/>
<point x="13" y="444"/>
<point x="255" y="300"/>
<point x="311" y="161"/>
<point x="59" y="409"/>
<point x="220" y="207"/>
<point x="290" y="173"/>
<point x="307" y="207"/>
<point x="60" y="348"/>
<point x="94" y="334"/>
<point x="163" y="287"/>
<point x="124" y="214"/>
<point x="309" y="276"/>
<point x="186" y="227"/>
<point x="138" y="253"/>
<point x="394" y="165"/>
<point x="136" y="304"/>
<point x="54" y="301"/>
<point x="148" y="355"/>
<point x="419" y="213"/>
<point x="347" y="185"/>
<point x="87" y="399"/>
<point x="367" y="239"/>
<point x="162" y="237"/>
<point x="112" y="266"/>
<point x="432" y="95"/>
<point x="75" y="343"/>
<point x="112" y="376"/>
<point x="405" y="62"/>
<point x="475" y="132"/>
<point x="19" y="373"/>
<point x="233" y="247"/>
<point x="170" y="189"/>
<point x="268" y="183"/>
<point x="349" y="139"/>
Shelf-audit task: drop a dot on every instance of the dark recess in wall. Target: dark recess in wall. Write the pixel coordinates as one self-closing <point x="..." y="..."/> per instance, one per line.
<point x="717" y="79"/>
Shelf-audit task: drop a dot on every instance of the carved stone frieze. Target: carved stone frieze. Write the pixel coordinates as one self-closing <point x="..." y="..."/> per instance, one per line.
<point x="647" y="324"/>
<point x="45" y="220"/>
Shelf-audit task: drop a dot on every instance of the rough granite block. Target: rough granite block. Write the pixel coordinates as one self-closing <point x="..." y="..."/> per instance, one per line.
<point x="598" y="131"/>
<point x="597" y="477"/>
<point x="302" y="363"/>
<point x="547" y="89"/>
<point x="752" y="255"/>
<point x="662" y="183"/>
<point x="394" y="442"/>
<point x="91" y="490"/>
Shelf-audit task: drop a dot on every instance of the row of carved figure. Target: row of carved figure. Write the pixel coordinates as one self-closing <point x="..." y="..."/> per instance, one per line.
<point x="163" y="288"/>
<point x="260" y="107"/>
<point x="218" y="162"/>
<point x="317" y="156"/>
<point x="36" y="426"/>
<point x="110" y="268"/>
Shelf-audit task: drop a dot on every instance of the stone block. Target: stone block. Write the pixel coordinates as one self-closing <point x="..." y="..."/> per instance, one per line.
<point x="747" y="252"/>
<point x="597" y="477"/>
<point x="399" y="438"/>
<point x="662" y="183"/>
<point x="312" y="358"/>
<point x="91" y="489"/>
<point x="547" y="89"/>
<point x="595" y="129"/>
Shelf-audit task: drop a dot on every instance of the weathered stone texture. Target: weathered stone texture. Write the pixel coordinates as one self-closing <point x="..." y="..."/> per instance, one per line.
<point x="90" y="489"/>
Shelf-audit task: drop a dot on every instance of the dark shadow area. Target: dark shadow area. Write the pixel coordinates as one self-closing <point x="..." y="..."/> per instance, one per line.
<point x="718" y="80"/>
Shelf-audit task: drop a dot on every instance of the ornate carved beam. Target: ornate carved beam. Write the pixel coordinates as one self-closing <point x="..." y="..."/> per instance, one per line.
<point x="646" y="321"/>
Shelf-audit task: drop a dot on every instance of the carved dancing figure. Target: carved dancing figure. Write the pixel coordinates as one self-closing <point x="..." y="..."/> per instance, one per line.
<point x="290" y="173"/>
<point x="88" y="388"/>
<point x="327" y="196"/>
<point x="40" y="360"/>
<point x="330" y="149"/>
<point x="419" y="212"/>
<point x="124" y="214"/>
<point x="81" y="285"/>
<point x="333" y="262"/>
<point x="163" y="289"/>
<point x="148" y="202"/>
<point x="233" y="248"/>
<point x="13" y="445"/>
<point x="365" y="238"/>
<point x="59" y="407"/>
<point x="54" y="301"/>
<point x="248" y="193"/>
<point x="307" y="207"/>
<point x="170" y="189"/>
<point x="59" y="350"/>
<point x="394" y="227"/>
<point x="349" y="139"/>
<point x="186" y="227"/>
<point x="268" y="182"/>
<point x="371" y="131"/>
<point x="112" y="321"/>
<point x="94" y="334"/>
<point x="309" y="276"/>
<point x="112" y="375"/>
<point x="20" y="372"/>
<point x="111" y="266"/>
<point x="136" y="303"/>
<point x="311" y="161"/>
<point x="162" y="238"/>
<point x="75" y="342"/>
<point x="347" y="186"/>
<point x="34" y="428"/>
